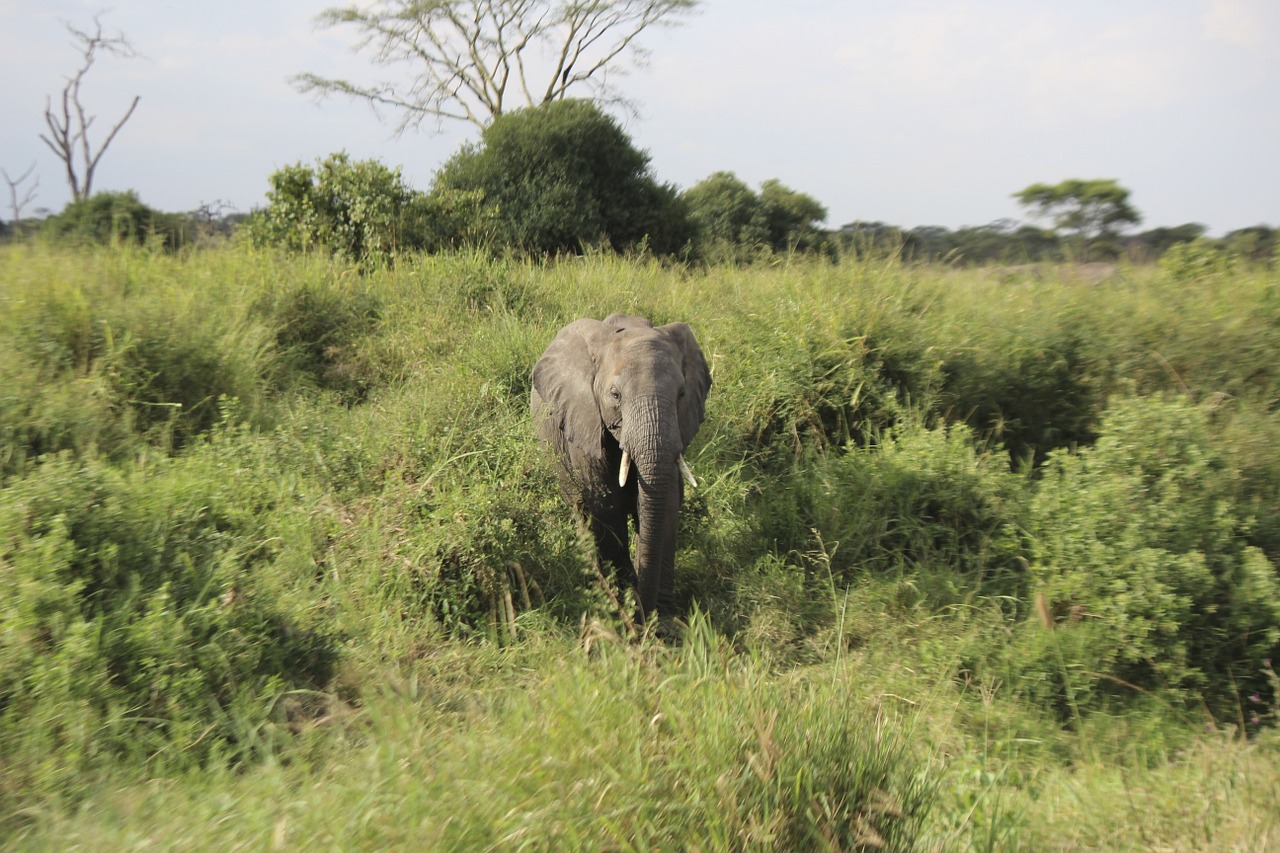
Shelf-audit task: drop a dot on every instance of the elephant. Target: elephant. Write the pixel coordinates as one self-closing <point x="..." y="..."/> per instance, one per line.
<point x="620" y="401"/>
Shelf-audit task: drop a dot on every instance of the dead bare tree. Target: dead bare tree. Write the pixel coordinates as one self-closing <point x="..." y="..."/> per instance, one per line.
<point x="467" y="58"/>
<point x="68" y="135"/>
<point x="16" y="203"/>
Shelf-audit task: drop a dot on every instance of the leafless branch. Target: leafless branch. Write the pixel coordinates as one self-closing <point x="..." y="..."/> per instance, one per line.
<point x="16" y="204"/>
<point x="460" y="58"/>
<point x="68" y="135"/>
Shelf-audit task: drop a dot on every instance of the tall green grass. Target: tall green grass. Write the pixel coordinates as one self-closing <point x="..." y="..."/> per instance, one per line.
<point x="284" y="566"/>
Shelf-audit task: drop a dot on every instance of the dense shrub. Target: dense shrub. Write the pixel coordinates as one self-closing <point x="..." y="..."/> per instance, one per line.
<point x="563" y="177"/>
<point x="112" y="363"/>
<point x="1197" y="260"/>
<point x="361" y="210"/>
<point x="1033" y="390"/>
<point x="924" y="502"/>
<point x="147" y="612"/>
<point x="1144" y="568"/>
<point x="800" y="388"/>
<point x="319" y="328"/>
<point x="116" y="217"/>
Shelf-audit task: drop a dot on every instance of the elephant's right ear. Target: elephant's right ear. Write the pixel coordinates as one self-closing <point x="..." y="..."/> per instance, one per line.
<point x="563" y="378"/>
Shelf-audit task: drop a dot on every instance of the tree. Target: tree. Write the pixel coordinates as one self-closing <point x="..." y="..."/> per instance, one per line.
<point x="1091" y="209"/>
<point x="69" y="128"/>
<point x="726" y="212"/>
<point x="790" y="217"/>
<point x="18" y="200"/>
<point x="1150" y="245"/>
<point x="465" y="57"/>
<point x="861" y="239"/>
<point x="731" y="217"/>
<point x="362" y="210"/>
<point x="562" y="176"/>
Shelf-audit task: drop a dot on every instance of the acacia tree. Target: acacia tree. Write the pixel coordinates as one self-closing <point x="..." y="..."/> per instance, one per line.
<point x="465" y="60"/>
<point x="1091" y="209"/>
<point x="68" y="136"/>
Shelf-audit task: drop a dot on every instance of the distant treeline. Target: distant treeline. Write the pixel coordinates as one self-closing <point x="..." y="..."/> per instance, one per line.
<point x="1008" y="241"/>
<point x="113" y="216"/>
<point x="565" y="178"/>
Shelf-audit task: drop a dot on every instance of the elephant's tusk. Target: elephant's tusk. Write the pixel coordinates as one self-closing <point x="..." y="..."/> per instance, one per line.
<point x="625" y="469"/>
<point x="684" y="470"/>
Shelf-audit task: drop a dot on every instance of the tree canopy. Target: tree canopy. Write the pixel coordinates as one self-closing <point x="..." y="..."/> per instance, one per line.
<point x="562" y="176"/>
<point x="731" y="217"/>
<point x="466" y="60"/>
<point x="1091" y="209"/>
<point x="362" y="210"/>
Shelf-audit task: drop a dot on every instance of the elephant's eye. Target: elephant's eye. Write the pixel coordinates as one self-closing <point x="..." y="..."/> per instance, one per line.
<point x="615" y="394"/>
<point x="680" y="393"/>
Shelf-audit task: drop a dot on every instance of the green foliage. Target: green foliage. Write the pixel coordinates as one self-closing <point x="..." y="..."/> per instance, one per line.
<point x="732" y="220"/>
<point x="1092" y="209"/>
<point x="1255" y="243"/>
<point x="1032" y="389"/>
<point x="350" y="605"/>
<point x="106" y="218"/>
<point x="144" y="614"/>
<point x="791" y="217"/>
<point x="319" y="328"/>
<point x="1157" y="241"/>
<point x="726" y="210"/>
<point x="362" y="210"/>
<point x="1145" y="569"/>
<point x="106" y="353"/>
<point x="1089" y="207"/>
<point x="1196" y="261"/>
<point x="560" y="178"/>
<point x="923" y="502"/>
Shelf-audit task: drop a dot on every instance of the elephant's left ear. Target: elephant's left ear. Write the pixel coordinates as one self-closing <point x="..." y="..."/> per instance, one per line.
<point x="562" y="378"/>
<point x="697" y="381"/>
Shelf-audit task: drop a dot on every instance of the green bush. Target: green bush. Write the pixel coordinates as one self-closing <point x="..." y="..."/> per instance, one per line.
<point x="925" y="503"/>
<point x="320" y="327"/>
<point x="362" y="211"/>
<point x="145" y="615"/>
<point x="1144" y="569"/>
<point x="1197" y="261"/>
<point x="1033" y="391"/>
<point x="116" y="217"/>
<point x="561" y="178"/>
<point x="115" y="361"/>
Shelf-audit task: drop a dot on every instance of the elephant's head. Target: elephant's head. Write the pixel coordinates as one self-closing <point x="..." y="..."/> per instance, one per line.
<point x="621" y="400"/>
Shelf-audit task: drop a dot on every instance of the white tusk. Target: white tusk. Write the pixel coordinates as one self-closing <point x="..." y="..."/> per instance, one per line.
<point x="625" y="469"/>
<point x="688" y="475"/>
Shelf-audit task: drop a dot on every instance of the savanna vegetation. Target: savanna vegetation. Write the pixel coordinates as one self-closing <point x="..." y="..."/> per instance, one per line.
<point x="977" y="560"/>
<point x="972" y="564"/>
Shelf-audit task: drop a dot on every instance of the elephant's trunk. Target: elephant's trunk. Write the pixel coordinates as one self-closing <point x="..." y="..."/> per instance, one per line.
<point x="658" y="498"/>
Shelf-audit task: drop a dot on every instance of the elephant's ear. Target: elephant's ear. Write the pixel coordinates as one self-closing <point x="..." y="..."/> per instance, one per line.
<point x="563" y="379"/>
<point x="697" y="381"/>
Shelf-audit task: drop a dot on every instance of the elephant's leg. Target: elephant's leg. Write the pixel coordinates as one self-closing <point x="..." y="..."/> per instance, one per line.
<point x="667" y="577"/>
<point x="610" y="534"/>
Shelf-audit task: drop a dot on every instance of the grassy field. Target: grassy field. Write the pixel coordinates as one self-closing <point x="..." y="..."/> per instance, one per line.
<point x="974" y="563"/>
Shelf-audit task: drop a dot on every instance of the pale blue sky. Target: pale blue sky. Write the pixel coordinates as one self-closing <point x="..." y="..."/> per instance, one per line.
<point x="914" y="113"/>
